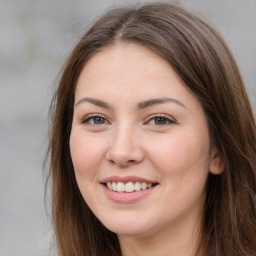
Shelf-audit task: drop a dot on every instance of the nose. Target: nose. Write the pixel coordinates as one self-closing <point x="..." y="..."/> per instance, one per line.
<point x="124" y="149"/>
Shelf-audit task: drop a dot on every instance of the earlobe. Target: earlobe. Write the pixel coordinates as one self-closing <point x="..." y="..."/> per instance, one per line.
<point x="217" y="163"/>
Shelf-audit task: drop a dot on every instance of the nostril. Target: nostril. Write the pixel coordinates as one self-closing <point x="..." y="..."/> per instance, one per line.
<point x="124" y="152"/>
<point x="122" y="164"/>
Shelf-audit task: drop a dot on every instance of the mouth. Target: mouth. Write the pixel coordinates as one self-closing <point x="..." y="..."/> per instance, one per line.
<point x="128" y="187"/>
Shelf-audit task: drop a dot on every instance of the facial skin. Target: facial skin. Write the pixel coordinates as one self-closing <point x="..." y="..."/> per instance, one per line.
<point x="164" y="142"/>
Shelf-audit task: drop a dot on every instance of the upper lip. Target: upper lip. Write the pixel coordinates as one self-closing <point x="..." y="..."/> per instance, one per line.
<point x="126" y="179"/>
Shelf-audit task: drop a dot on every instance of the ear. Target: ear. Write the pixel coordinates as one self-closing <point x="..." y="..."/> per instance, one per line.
<point x="217" y="164"/>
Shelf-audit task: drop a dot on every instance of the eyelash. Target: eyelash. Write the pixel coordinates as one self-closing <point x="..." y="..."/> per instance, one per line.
<point x="167" y="120"/>
<point x="93" y="117"/>
<point x="163" y="118"/>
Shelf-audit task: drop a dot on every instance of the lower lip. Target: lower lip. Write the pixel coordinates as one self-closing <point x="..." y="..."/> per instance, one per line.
<point x="127" y="197"/>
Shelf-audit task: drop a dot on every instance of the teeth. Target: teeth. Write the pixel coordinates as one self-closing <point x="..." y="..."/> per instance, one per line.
<point x="137" y="186"/>
<point x="144" y="185"/>
<point x="114" y="187"/>
<point x="109" y="185"/>
<point x="120" y="187"/>
<point x="129" y="186"/>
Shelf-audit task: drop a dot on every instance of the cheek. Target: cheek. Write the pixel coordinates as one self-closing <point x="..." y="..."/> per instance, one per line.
<point x="182" y="164"/>
<point x="86" y="153"/>
<point x="180" y="153"/>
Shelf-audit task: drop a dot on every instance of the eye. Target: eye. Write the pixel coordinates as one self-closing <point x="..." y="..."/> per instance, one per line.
<point x="160" y="120"/>
<point x="95" y="120"/>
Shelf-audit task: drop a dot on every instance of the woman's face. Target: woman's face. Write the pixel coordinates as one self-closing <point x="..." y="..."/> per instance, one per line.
<point x="139" y="143"/>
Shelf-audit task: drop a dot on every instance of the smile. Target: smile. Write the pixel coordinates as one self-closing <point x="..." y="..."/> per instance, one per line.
<point x="128" y="187"/>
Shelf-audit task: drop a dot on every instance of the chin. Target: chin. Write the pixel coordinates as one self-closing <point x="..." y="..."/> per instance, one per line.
<point x="129" y="231"/>
<point x="128" y="227"/>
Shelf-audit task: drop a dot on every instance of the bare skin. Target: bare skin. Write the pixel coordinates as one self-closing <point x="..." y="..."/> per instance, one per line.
<point x="135" y="119"/>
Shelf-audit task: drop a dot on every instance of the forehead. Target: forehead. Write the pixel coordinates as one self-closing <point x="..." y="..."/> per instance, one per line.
<point x="129" y="67"/>
<point x="125" y="75"/>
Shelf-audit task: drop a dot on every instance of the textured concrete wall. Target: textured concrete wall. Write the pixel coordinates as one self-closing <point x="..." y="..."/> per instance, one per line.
<point x="35" y="38"/>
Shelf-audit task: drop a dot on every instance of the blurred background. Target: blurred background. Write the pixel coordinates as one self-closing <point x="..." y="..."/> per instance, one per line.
<point x="35" y="39"/>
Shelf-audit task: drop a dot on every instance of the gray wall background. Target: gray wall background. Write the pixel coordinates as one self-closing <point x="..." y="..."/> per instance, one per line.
<point x="35" y="38"/>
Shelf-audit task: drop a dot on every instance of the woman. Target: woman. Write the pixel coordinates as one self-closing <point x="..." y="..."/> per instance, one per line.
<point x="152" y="146"/>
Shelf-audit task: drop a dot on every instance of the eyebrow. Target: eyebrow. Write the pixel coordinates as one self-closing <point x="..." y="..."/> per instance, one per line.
<point x="141" y="105"/>
<point x="96" y="102"/>
<point x="151" y="102"/>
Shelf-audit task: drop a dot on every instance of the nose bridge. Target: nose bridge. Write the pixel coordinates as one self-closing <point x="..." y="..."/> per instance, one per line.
<point x="124" y="147"/>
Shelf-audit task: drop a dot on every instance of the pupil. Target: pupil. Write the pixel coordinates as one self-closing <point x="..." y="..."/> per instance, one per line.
<point x="98" y="120"/>
<point x="160" y="120"/>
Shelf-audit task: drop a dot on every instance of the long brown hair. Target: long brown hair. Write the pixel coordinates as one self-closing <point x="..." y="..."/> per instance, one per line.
<point x="203" y="61"/>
